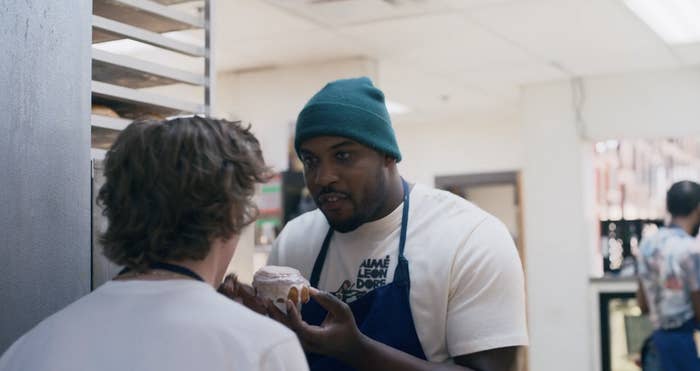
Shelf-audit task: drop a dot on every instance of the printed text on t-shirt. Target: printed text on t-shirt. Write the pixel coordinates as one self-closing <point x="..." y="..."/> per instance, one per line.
<point x="371" y="275"/>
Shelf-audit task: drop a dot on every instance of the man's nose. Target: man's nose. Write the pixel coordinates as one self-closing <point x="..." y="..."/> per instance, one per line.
<point x="326" y="175"/>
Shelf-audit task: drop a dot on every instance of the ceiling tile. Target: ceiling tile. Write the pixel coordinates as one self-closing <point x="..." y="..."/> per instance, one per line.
<point x="438" y="42"/>
<point x="565" y="31"/>
<point x="504" y="80"/>
<point x="427" y="93"/>
<point x="474" y="4"/>
<point x="348" y="12"/>
<point x="390" y="37"/>
<point x="253" y="19"/>
<point x="293" y="49"/>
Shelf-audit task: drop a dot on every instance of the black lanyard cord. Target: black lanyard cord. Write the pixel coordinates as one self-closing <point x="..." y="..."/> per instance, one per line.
<point x="170" y="268"/>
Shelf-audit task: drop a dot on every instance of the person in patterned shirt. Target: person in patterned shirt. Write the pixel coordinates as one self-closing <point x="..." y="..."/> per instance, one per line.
<point x="669" y="280"/>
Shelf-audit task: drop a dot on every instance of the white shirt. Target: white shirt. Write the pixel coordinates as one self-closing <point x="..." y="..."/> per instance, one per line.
<point x="467" y="289"/>
<point x="155" y="325"/>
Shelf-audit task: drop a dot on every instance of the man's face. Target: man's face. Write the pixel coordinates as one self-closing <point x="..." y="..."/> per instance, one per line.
<point x="348" y="180"/>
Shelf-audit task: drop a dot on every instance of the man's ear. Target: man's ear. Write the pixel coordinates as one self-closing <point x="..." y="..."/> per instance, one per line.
<point x="389" y="160"/>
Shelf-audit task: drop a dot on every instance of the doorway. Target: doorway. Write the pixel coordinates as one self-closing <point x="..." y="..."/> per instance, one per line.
<point x="499" y="194"/>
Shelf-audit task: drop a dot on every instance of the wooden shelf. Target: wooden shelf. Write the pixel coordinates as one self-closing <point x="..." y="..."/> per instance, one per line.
<point x="106" y="122"/>
<point x="148" y="15"/>
<point x="173" y="2"/>
<point x="135" y="73"/>
<point x="132" y="104"/>
<point x="103" y="138"/>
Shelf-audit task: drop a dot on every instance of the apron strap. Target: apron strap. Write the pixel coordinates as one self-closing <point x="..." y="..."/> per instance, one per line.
<point x="404" y="217"/>
<point x="400" y="274"/>
<point x="318" y="264"/>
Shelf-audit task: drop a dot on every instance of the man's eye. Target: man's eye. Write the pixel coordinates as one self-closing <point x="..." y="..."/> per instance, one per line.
<point x="308" y="160"/>
<point x="342" y="156"/>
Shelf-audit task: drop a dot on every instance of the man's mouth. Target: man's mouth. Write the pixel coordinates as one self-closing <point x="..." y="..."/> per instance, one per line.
<point x="331" y="198"/>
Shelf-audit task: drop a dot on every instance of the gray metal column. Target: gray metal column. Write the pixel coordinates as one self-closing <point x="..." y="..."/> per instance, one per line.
<point x="44" y="160"/>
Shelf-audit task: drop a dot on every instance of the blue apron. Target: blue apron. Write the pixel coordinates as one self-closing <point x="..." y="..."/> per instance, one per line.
<point x="383" y="314"/>
<point x="676" y="348"/>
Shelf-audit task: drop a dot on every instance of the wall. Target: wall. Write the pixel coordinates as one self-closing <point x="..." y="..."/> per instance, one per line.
<point x="459" y="145"/>
<point x="643" y="105"/>
<point x="555" y="232"/>
<point x="45" y="167"/>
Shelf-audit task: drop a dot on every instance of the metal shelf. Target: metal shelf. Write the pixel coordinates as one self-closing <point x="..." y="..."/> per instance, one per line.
<point x="104" y="29"/>
<point x="135" y="73"/>
<point x="146" y="14"/>
<point x="106" y="122"/>
<point x="134" y="104"/>
<point x="173" y="2"/>
<point x="117" y="79"/>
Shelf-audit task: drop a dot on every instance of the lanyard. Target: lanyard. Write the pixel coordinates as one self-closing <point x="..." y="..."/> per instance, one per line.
<point x="170" y="268"/>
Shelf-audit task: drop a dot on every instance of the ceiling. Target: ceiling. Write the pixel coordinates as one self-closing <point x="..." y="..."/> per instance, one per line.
<point x="447" y="55"/>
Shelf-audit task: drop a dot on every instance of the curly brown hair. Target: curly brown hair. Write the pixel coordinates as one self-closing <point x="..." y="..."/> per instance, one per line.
<point x="174" y="186"/>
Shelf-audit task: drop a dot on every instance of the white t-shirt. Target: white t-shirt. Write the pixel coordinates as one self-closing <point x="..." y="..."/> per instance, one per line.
<point x="467" y="291"/>
<point x="155" y="325"/>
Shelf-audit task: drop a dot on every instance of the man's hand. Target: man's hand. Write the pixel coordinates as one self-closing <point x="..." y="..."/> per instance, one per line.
<point x="242" y="293"/>
<point x="338" y="335"/>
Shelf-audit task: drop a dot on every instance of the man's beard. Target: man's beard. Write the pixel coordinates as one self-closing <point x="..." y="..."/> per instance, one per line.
<point x="376" y="196"/>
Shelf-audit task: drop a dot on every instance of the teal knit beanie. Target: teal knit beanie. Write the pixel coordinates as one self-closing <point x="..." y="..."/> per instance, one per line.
<point x="349" y="108"/>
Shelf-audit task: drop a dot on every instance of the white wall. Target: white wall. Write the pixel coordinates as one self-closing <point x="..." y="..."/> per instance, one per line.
<point x="651" y="104"/>
<point x="459" y="145"/>
<point x="555" y="232"/>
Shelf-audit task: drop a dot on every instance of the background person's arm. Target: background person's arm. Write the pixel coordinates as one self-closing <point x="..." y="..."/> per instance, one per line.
<point x="642" y="298"/>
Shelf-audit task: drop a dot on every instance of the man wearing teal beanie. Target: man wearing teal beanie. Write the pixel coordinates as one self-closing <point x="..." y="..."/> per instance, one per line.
<point x="351" y="108"/>
<point x="413" y="278"/>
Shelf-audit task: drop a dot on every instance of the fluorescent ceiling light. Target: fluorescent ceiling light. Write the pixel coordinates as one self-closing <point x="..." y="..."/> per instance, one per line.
<point x="396" y="108"/>
<point x="676" y="21"/>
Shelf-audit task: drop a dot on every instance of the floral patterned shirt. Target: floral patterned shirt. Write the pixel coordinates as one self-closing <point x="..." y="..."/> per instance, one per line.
<point x="669" y="270"/>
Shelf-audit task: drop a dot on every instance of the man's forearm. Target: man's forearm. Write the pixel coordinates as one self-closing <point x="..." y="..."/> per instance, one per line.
<point x="695" y="299"/>
<point x="372" y="355"/>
